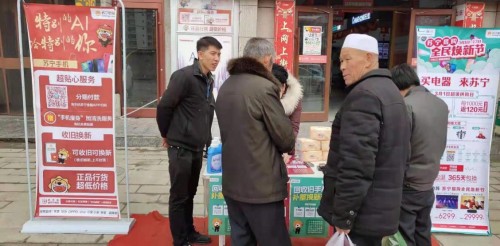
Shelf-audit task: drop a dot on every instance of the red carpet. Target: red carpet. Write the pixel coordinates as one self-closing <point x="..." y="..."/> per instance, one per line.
<point x="153" y="230"/>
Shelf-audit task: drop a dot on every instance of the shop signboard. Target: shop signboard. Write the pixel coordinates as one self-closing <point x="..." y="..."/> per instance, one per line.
<point x="361" y="18"/>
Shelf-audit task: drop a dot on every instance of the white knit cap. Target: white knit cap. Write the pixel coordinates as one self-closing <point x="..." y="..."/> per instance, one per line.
<point x="361" y="42"/>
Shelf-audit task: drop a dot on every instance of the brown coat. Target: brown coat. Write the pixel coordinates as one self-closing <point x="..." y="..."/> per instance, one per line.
<point x="255" y="132"/>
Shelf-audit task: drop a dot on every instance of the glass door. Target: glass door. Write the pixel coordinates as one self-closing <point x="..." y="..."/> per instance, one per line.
<point x="426" y="17"/>
<point x="144" y="69"/>
<point x="313" y="52"/>
<point x="399" y="37"/>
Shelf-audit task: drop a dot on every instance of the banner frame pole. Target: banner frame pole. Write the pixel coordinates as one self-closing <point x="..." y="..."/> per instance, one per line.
<point x="25" y="114"/>
<point x="124" y="81"/>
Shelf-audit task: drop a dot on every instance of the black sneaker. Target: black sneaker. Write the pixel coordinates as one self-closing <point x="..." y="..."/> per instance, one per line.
<point x="196" y="237"/>
<point x="187" y="244"/>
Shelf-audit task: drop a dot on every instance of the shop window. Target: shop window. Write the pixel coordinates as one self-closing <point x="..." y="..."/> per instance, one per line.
<point x="9" y="42"/>
<point x="15" y="91"/>
<point x="142" y="55"/>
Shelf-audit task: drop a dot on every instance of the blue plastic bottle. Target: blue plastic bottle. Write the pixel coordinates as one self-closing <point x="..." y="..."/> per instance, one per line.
<point x="214" y="159"/>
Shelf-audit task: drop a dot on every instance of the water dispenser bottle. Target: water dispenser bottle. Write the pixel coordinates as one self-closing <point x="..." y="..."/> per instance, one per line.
<point x="214" y="159"/>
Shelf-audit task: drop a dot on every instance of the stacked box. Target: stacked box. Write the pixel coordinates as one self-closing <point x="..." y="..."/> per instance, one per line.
<point x="323" y="134"/>
<point x="325" y="155"/>
<point x="320" y="133"/>
<point x="316" y="147"/>
<point x="308" y="149"/>
<point x="306" y="144"/>
<point x="325" y="145"/>
<point x="310" y="156"/>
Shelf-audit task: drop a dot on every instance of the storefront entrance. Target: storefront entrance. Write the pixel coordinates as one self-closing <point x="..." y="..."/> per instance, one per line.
<point x="318" y="66"/>
<point x="317" y="63"/>
<point x="313" y="49"/>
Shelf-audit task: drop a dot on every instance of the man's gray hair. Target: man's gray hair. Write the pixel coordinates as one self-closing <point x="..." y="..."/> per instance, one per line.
<point x="258" y="48"/>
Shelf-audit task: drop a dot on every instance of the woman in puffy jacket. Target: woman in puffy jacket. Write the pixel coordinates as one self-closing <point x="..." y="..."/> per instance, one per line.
<point x="291" y="98"/>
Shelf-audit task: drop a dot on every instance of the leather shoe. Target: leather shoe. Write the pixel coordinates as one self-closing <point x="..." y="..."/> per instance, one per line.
<point x="198" y="238"/>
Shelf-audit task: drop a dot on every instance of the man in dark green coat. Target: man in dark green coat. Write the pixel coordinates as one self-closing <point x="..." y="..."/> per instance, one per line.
<point x="255" y="133"/>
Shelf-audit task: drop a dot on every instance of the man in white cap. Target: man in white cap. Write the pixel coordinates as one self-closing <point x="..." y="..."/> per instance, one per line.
<point x="369" y="147"/>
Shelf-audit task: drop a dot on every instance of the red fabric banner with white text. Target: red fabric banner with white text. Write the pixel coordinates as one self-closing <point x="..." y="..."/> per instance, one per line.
<point x="284" y="21"/>
<point x="72" y="54"/>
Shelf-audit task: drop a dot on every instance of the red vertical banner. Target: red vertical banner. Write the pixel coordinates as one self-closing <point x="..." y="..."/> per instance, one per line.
<point x="72" y="54"/>
<point x="284" y="26"/>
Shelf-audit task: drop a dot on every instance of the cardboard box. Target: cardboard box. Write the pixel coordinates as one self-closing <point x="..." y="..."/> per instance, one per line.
<point x="306" y="144"/>
<point x="325" y="145"/>
<point x="320" y="133"/>
<point x="310" y="156"/>
<point x="325" y="155"/>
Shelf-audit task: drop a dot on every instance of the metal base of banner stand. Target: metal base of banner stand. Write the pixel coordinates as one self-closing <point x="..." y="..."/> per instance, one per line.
<point x="122" y="226"/>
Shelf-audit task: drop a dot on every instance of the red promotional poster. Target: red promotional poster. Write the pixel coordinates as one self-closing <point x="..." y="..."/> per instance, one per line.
<point x="284" y="20"/>
<point x="72" y="55"/>
<point x="470" y="14"/>
<point x="474" y="14"/>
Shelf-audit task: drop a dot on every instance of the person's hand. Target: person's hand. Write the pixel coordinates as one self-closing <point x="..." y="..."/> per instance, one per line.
<point x="342" y="231"/>
<point x="286" y="158"/>
<point x="164" y="143"/>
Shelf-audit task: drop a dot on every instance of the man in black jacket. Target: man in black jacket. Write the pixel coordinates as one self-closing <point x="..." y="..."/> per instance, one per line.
<point x="368" y="149"/>
<point x="429" y="126"/>
<point x="184" y="117"/>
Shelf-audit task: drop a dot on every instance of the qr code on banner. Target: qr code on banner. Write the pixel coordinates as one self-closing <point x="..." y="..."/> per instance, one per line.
<point x="450" y="155"/>
<point x="57" y="96"/>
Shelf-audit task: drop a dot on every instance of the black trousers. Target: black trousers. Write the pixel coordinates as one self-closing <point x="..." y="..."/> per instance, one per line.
<point x="363" y="240"/>
<point x="262" y="224"/>
<point x="415" y="217"/>
<point x="184" y="169"/>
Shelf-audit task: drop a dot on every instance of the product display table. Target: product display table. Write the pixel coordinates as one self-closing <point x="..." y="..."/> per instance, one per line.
<point x="304" y="191"/>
